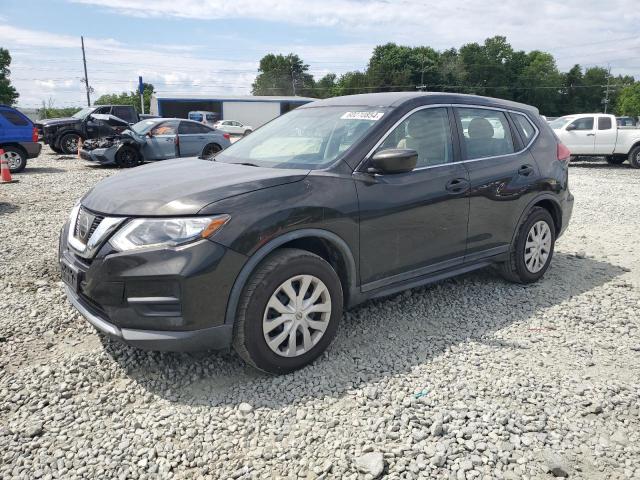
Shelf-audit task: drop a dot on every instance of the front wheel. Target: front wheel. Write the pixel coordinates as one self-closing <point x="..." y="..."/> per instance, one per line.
<point x="16" y="159"/>
<point x="289" y="311"/>
<point x="531" y="253"/>
<point x="246" y="132"/>
<point x="127" y="157"/>
<point x="634" y="157"/>
<point x="69" y="143"/>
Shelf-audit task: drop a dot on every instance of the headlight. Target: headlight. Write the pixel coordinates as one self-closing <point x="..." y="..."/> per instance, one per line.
<point x="165" y="232"/>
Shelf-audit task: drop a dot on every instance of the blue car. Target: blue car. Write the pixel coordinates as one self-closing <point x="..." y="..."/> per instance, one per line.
<point x="18" y="138"/>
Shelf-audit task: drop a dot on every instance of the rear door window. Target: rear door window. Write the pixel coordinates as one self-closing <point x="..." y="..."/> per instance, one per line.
<point x="191" y="128"/>
<point x="485" y="133"/>
<point x="125" y="113"/>
<point x="14" y="118"/>
<point x="604" y="123"/>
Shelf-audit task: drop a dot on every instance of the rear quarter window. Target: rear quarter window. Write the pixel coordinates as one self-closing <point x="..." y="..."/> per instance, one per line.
<point x="524" y="126"/>
<point x="14" y="118"/>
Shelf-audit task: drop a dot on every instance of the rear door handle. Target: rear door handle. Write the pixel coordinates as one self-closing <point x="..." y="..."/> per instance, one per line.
<point x="525" y="170"/>
<point x="591" y="134"/>
<point x="458" y="185"/>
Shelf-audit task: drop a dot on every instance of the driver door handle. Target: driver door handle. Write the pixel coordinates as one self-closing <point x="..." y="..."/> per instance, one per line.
<point x="591" y="134"/>
<point x="458" y="185"/>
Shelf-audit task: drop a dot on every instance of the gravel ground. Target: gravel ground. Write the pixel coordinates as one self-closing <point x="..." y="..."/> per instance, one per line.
<point x="470" y="378"/>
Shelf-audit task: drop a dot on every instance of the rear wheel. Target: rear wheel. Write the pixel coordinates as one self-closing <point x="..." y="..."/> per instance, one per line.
<point x="634" y="157"/>
<point x="210" y="151"/>
<point x="69" y="143"/>
<point x="16" y="159"/>
<point x="615" y="159"/>
<point x="531" y="253"/>
<point x="246" y="132"/>
<point x="289" y="311"/>
<point x="127" y="157"/>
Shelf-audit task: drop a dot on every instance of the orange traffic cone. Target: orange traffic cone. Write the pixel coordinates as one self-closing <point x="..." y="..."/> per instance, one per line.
<point x="5" y="173"/>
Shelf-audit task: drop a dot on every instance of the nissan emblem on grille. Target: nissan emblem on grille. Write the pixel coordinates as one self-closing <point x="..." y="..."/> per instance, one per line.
<point x="83" y="226"/>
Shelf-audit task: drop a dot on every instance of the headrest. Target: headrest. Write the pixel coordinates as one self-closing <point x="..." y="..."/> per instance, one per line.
<point x="480" y="128"/>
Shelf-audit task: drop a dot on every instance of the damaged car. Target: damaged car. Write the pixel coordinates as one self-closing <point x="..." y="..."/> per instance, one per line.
<point x="152" y="140"/>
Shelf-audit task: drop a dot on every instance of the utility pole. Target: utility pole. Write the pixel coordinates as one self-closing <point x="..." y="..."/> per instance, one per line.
<point x="293" y="82"/>
<point x="422" y="87"/>
<point x="44" y="109"/>
<point x="606" y="94"/>
<point x="86" y="77"/>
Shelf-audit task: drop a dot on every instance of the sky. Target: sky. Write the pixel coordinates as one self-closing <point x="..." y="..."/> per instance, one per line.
<point x="214" y="46"/>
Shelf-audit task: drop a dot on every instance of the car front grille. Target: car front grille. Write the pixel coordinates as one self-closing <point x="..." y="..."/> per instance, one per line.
<point x="86" y="224"/>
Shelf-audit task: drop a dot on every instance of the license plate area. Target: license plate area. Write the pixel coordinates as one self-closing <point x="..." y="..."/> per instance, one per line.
<point x="70" y="275"/>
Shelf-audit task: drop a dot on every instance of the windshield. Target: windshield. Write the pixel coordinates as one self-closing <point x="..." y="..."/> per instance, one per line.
<point x="82" y="114"/>
<point x="195" y="116"/>
<point x="308" y="138"/>
<point x="144" y="126"/>
<point x="560" y="122"/>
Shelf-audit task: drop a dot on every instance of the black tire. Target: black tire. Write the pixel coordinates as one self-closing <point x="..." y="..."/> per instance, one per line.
<point x="55" y="149"/>
<point x="248" y="337"/>
<point x="246" y="132"/>
<point x="515" y="268"/>
<point x="634" y="157"/>
<point x="69" y="143"/>
<point x="210" y="151"/>
<point x="127" y="157"/>
<point x="615" y="159"/>
<point x="16" y="157"/>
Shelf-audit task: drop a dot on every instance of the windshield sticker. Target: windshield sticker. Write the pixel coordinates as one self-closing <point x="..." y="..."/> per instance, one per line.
<point x="362" y="116"/>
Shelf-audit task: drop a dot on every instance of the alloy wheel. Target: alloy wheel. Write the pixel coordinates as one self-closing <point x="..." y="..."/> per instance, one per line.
<point x="297" y="315"/>
<point x="537" y="247"/>
<point x="71" y="143"/>
<point x="13" y="160"/>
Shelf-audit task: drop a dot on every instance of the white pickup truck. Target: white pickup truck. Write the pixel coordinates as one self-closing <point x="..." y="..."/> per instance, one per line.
<point x="597" y="134"/>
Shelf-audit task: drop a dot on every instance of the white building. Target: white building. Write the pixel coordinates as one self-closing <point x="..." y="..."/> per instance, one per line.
<point x="250" y="110"/>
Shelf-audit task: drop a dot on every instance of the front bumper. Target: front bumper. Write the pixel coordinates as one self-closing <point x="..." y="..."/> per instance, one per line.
<point x="171" y="299"/>
<point x="103" y="156"/>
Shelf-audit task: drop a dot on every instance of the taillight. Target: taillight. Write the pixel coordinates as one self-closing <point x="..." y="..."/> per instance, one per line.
<point x="563" y="153"/>
<point x="227" y="136"/>
<point x="34" y="135"/>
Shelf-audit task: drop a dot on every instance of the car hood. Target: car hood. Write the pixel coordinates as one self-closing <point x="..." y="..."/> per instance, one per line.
<point x="55" y="121"/>
<point x="180" y="187"/>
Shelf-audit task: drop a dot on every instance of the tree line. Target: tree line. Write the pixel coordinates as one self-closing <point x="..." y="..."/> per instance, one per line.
<point x="492" y="68"/>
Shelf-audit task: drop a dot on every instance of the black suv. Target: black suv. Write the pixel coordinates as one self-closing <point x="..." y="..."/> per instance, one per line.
<point x="334" y="203"/>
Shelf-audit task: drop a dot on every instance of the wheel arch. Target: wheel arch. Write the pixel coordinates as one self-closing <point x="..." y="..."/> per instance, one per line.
<point x="549" y="203"/>
<point x="208" y="145"/>
<point x="15" y="145"/>
<point x="323" y="243"/>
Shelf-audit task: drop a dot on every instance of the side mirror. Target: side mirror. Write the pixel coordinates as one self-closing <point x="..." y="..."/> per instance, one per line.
<point x="570" y="127"/>
<point x="394" y="160"/>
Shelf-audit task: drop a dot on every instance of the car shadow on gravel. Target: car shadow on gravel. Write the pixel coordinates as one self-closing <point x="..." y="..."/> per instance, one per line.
<point x="378" y="340"/>
<point x="6" y="208"/>
<point x="600" y="164"/>
<point x="33" y="170"/>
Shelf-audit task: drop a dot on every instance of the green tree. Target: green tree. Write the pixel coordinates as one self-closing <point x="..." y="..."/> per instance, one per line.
<point x="283" y="75"/>
<point x="326" y="86"/>
<point x="629" y="100"/>
<point x="131" y="98"/>
<point x="351" y="83"/>
<point x="8" y="94"/>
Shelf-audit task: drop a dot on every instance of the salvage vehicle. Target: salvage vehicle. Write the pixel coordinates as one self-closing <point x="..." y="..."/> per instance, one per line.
<point x="334" y="203"/>
<point x="152" y="140"/>
<point x="18" y="138"/>
<point x="64" y="134"/>
<point x="598" y="134"/>
<point x="233" y="127"/>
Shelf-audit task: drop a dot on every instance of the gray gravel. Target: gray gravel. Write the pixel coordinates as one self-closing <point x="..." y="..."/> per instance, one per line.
<point x="470" y="378"/>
